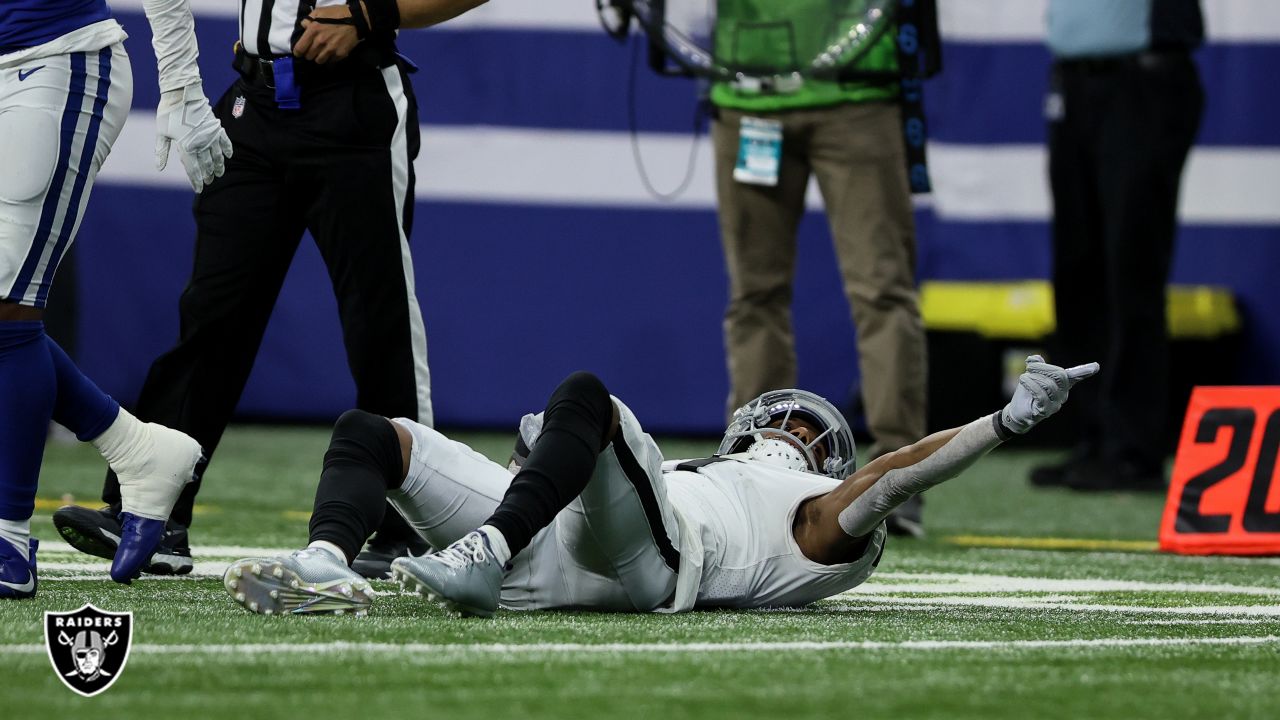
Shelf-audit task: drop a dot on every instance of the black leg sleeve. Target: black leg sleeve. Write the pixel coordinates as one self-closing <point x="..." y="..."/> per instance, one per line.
<point x="362" y="463"/>
<point x="575" y="429"/>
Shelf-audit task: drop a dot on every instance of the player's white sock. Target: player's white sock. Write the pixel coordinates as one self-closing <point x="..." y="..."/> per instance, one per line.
<point x="18" y="534"/>
<point x="152" y="461"/>
<point x="497" y="543"/>
<point x="330" y="548"/>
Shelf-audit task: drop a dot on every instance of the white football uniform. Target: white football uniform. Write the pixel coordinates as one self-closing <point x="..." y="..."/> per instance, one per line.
<point x="744" y="511"/>
<point x="643" y="535"/>
<point x="62" y="105"/>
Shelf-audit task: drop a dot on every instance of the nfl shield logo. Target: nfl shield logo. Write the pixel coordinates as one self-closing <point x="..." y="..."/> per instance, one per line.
<point x="88" y="647"/>
<point x="238" y="108"/>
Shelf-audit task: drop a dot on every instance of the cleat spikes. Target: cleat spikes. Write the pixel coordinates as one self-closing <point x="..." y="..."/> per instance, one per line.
<point x="299" y="583"/>
<point x="237" y="571"/>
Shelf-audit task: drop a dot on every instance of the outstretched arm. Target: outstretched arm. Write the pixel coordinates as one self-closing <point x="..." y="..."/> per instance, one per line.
<point x="833" y="528"/>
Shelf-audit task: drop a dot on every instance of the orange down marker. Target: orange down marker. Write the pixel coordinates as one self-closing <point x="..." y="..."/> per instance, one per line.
<point x="1224" y="498"/>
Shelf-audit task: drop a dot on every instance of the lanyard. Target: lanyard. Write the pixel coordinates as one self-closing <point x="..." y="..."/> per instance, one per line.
<point x="911" y="64"/>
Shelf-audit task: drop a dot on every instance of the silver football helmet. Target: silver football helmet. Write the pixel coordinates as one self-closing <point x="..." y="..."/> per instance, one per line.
<point x="756" y="429"/>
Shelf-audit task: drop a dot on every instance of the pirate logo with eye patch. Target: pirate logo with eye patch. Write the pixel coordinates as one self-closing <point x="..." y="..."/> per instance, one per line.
<point x="88" y="647"/>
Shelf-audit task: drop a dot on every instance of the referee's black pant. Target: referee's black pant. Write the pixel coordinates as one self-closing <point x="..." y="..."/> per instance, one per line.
<point x="340" y="167"/>
<point x="1116" y="155"/>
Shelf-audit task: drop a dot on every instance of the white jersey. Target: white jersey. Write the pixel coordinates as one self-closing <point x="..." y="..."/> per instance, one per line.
<point x="743" y="512"/>
<point x="642" y="536"/>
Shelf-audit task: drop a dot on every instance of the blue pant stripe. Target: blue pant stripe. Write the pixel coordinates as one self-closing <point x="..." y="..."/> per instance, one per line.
<point x="70" y="116"/>
<point x="72" y="215"/>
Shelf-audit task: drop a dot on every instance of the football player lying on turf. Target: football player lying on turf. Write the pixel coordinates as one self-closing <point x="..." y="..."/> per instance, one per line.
<point x="594" y="519"/>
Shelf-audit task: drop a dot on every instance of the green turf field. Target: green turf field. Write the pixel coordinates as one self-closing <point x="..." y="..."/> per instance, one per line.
<point x="1021" y="604"/>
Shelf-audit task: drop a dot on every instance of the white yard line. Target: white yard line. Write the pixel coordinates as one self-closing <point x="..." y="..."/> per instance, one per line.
<point x="97" y="570"/>
<point x="228" y="551"/>
<point x="648" y="648"/>
<point x="958" y="583"/>
<point x="1031" y="603"/>
<point x="1201" y="621"/>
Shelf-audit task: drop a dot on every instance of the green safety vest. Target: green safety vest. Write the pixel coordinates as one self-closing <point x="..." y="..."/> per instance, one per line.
<point x="771" y="46"/>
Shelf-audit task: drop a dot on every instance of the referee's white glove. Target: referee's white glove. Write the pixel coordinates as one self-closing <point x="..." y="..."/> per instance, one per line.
<point x="184" y="117"/>
<point x="1041" y="392"/>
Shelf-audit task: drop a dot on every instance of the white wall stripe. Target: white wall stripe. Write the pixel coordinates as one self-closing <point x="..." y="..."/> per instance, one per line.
<point x="1023" y="21"/>
<point x="992" y="20"/>
<point x="1233" y="21"/>
<point x="573" y="15"/>
<point x="1221" y="185"/>
<point x="535" y="649"/>
<point x="502" y="165"/>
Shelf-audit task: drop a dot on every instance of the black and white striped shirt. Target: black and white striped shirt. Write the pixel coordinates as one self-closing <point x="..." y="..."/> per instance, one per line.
<point x="267" y="26"/>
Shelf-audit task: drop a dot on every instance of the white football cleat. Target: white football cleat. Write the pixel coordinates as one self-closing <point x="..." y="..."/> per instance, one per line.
<point x="308" y="581"/>
<point x="465" y="578"/>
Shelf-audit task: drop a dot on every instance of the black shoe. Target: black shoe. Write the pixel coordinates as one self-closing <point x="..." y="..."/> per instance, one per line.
<point x="908" y="519"/>
<point x="97" y="533"/>
<point x="1050" y="475"/>
<point x="1056" y="475"/>
<point x="374" y="562"/>
<point x="1116" y="477"/>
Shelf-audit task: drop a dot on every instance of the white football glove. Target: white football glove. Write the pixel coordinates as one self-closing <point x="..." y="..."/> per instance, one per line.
<point x="184" y="117"/>
<point x="1041" y="392"/>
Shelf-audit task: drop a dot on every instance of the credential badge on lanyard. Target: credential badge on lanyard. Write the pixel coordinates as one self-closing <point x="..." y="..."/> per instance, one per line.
<point x="759" y="152"/>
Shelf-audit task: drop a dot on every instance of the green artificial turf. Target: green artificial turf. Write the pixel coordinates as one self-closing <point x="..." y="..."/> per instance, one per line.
<point x="943" y="630"/>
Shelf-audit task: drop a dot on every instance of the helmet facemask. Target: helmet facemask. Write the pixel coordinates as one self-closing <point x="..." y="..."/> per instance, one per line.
<point x="763" y="429"/>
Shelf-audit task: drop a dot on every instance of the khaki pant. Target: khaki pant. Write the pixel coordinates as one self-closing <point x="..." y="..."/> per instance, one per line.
<point x="856" y="152"/>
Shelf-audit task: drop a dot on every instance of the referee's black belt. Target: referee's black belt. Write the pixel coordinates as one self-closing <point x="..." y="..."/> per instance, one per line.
<point x="260" y="71"/>
<point x="1145" y="60"/>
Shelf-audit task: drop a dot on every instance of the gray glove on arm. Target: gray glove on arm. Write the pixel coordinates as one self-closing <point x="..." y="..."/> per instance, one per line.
<point x="184" y="115"/>
<point x="1041" y="392"/>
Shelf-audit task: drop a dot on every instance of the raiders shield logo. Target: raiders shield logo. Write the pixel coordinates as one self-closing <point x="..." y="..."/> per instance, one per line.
<point x="88" y="647"/>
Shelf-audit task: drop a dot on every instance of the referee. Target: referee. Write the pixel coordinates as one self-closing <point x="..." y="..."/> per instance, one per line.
<point x="325" y="130"/>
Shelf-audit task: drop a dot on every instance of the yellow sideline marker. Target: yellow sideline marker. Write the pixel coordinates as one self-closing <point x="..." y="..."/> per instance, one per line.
<point x="1051" y="543"/>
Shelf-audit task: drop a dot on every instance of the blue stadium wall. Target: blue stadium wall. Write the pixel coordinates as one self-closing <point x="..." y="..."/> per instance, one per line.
<point x="538" y="251"/>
